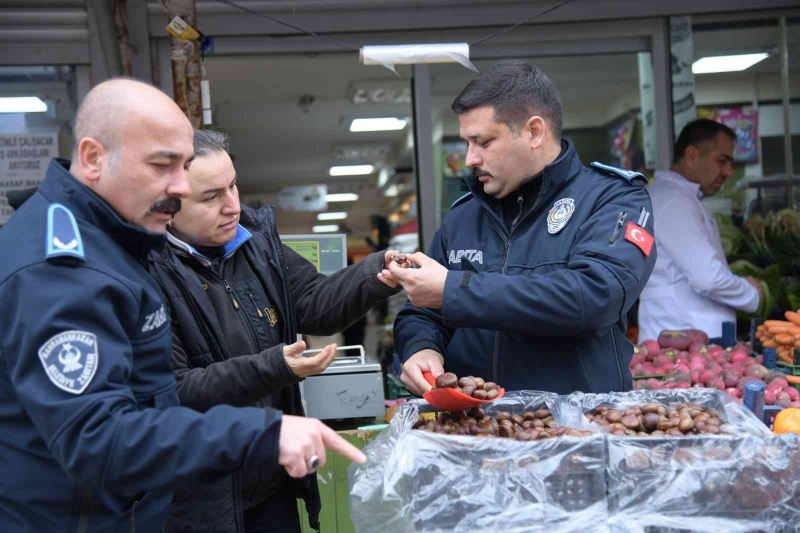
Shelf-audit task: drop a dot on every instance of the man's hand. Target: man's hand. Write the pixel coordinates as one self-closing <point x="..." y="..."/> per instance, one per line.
<point x="302" y="438"/>
<point x="424" y="284"/>
<point x="388" y="258"/>
<point x="422" y="361"/>
<point x="307" y="366"/>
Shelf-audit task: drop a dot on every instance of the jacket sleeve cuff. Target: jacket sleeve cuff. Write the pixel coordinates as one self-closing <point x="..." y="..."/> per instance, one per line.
<point x="273" y="369"/>
<point x="265" y="449"/>
<point x="420" y="345"/>
<point x="373" y="264"/>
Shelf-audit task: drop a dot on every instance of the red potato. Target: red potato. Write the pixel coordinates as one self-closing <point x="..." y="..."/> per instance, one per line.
<point x="757" y="371"/>
<point x="715" y="349"/>
<point x="731" y="377"/>
<point x="783" y="400"/>
<point x="652" y="348"/>
<point x="794" y="395"/>
<point x="769" y="397"/>
<point x="676" y="339"/>
<point x="681" y="367"/>
<point x="733" y="391"/>
<point x="698" y="348"/>
<point x="738" y="355"/>
<point x="779" y="383"/>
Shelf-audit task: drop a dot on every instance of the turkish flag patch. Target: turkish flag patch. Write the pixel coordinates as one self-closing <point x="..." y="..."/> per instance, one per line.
<point x="640" y="237"/>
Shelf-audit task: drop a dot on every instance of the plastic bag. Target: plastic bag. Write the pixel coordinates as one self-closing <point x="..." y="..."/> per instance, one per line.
<point x="744" y="480"/>
<point x="420" y="481"/>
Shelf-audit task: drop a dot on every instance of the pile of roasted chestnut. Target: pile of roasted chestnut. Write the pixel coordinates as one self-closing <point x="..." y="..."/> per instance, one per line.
<point x="478" y="388"/>
<point x="655" y="419"/>
<point x="530" y="425"/>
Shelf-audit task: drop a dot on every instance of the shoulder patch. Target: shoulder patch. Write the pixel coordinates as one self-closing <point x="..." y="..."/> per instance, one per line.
<point x="63" y="237"/>
<point x="467" y="197"/>
<point x="70" y="360"/>
<point x="628" y="175"/>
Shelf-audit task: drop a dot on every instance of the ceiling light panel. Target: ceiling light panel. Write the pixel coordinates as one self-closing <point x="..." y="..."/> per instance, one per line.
<point x="341" y="197"/>
<point x="732" y="63"/>
<point x="325" y="228"/>
<point x="22" y="104"/>
<point x="352" y="170"/>
<point x="378" y="124"/>
<point x="334" y="215"/>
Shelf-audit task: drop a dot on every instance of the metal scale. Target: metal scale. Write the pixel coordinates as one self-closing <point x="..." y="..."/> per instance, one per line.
<point x="351" y="387"/>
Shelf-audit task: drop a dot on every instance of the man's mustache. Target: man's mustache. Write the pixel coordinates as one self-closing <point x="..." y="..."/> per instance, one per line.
<point x="169" y="205"/>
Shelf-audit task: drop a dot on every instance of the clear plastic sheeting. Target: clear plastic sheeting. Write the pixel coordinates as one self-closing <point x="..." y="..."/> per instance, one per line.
<point x="421" y="481"/>
<point x="739" y="420"/>
<point x="744" y="480"/>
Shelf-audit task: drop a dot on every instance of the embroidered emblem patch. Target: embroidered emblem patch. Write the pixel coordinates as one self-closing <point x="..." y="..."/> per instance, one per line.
<point x="70" y="360"/>
<point x="559" y="215"/>
<point x="272" y="316"/>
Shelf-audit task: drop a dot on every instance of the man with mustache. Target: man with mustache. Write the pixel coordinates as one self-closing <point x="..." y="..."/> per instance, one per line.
<point x="91" y="434"/>
<point x="531" y="275"/>
<point x="691" y="285"/>
<point x="238" y="299"/>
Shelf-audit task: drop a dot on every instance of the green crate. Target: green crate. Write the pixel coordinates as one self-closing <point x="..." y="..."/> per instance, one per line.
<point x="334" y="489"/>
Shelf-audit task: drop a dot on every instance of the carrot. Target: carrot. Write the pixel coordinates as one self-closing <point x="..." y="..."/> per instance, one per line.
<point x="793" y="317"/>
<point x="770" y="323"/>
<point x="769" y="343"/>
<point x="794" y="380"/>
<point x="778" y="330"/>
<point x="784" y="339"/>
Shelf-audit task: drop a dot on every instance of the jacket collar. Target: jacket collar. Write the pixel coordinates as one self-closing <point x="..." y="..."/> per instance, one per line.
<point x="554" y="176"/>
<point x="680" y="182"/>
<point x="241" y="237"/>
<point x="62" y="187"/>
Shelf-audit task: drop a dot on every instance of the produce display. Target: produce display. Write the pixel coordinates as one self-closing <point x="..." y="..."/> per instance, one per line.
<point x="783" y="335"/>
<point x="766" y="248"/>
<point x="686" y="362"/>
<point x="476" y="387"/>
<point x="529" y="425"/>
<point x="655" y="419"/>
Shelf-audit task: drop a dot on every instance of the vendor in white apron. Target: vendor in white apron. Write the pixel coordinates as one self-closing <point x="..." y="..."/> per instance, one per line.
<point x="692" y="285"/>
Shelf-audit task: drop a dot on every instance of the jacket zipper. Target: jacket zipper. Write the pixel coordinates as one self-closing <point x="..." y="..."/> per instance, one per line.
<point x="619" y="363"/>
<point x="507" y="249"/>
<point x="232" y="296"/>
<point x="237" y="306"/>
<point x="253" y="301"/>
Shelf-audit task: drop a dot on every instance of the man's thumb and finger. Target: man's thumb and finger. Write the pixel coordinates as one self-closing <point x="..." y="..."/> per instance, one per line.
<point x="336" y="443"/>
<point x="295" y="349"/>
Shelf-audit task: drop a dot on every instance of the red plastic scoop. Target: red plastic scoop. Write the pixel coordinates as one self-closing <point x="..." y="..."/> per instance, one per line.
<point x="451" y="399"/>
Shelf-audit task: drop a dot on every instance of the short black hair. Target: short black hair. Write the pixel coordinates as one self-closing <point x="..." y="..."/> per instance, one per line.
<point x="698" y="132"/>
<point x="516" y="90"/>
<point x="207" y="142"/>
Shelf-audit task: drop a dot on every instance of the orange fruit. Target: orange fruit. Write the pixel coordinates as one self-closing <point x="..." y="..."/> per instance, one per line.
<point x="787" y="421"/>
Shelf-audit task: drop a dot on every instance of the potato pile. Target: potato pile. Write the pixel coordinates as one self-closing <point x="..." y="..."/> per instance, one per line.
<point x="655" y="419"/>
<point x="478" y="388"/>
<point x="530" y="425"/>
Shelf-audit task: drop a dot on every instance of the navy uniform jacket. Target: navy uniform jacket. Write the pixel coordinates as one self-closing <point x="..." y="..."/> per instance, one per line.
<point x="91" y="438"/>
<point x="533" y="309"/>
